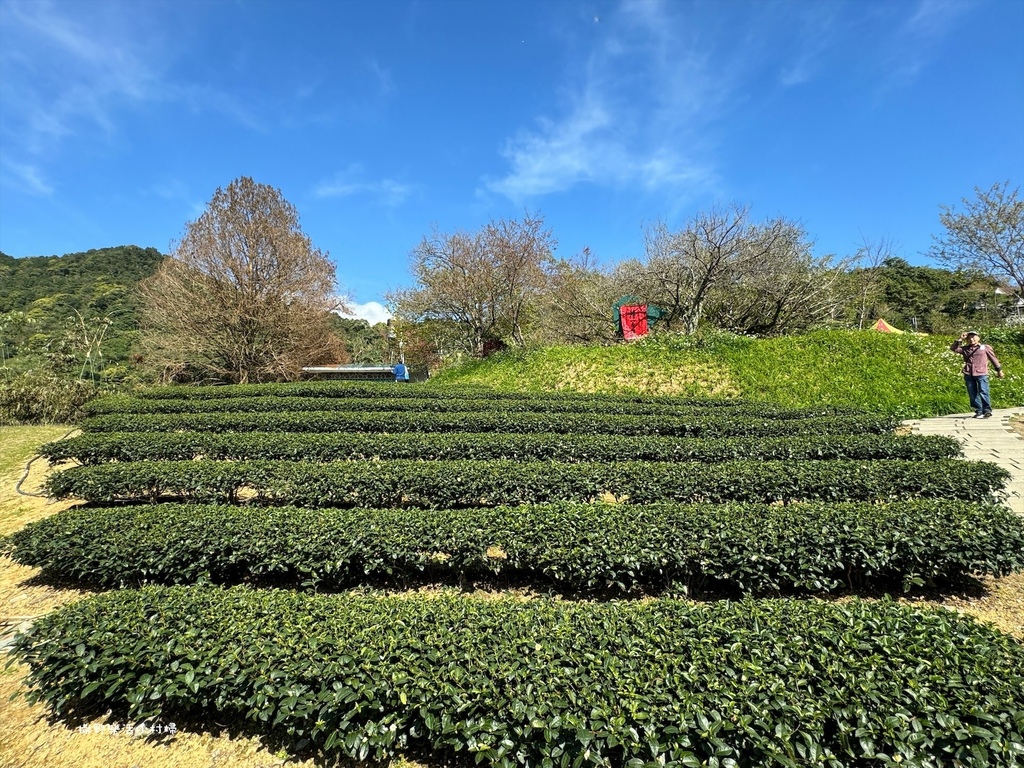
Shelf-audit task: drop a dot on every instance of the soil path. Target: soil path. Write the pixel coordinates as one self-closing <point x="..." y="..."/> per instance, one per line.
<point x="985" y="440"/>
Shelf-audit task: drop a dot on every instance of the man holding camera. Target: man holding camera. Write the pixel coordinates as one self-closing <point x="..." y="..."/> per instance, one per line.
<point x="977" y="357"/>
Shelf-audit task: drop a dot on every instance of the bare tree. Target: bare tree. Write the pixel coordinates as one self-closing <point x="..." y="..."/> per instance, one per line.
<point x="486" y="283"/>
<point x="244" y="296"/>
<point x="520" y="252"/>
<point x="455" y="281"/>
<point x="87" y="336"/>
<point x="684" y="268"/>
<point x="785" y="290"/>
<point x="865" y="276"/>
<point x="987" y="236"/>
<point x="577" y="306"/>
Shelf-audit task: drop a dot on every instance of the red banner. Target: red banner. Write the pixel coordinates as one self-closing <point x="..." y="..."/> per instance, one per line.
<point x="634" y="320"/>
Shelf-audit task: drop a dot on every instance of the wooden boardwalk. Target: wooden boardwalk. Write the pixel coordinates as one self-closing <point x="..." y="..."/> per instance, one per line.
<point x="985" y="440"/>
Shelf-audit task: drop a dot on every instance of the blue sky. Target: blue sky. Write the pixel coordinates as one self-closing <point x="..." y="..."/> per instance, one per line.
<point x="379" y="120"/>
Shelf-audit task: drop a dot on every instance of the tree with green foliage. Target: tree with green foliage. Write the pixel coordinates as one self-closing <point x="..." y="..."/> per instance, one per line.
<point x="68" y="328"/>
<point x="987" y="235"/>
<point x="922" y="298"/>
<point x="364" y="343"/>
<point x="245" y="296"/>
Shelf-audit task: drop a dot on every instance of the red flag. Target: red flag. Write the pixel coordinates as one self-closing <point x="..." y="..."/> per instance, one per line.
<point x="634" y="320"/>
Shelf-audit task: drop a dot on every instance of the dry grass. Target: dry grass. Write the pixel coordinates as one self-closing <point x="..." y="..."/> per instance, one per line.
<point x="17" y="446"/>
<point x="28" y="740"/>
<point x="20" y="597"/>
<point x="636" y="376"/>
<point x="999" y="602"/>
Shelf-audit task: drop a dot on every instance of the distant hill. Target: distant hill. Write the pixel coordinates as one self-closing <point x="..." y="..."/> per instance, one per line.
<point x="84" y="279"/>
<point x="41" y="297"/>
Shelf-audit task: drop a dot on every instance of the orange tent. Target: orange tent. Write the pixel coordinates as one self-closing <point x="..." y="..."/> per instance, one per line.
<point x="884" y="327"/>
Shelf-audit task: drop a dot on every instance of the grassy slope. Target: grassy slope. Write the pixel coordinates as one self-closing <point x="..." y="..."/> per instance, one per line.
<point x="911" y="376"/>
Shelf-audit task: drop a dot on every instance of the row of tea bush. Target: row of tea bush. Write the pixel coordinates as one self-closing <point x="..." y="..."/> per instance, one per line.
<point x="438" y="484"/>
<point x="754" y="548"/>
<point x="712" y="424"/>
<point x="392" y="486"/>
<point x="397" y="406"/>
<point x="97" y="447"/>
<point x="381" y="390"/>
<point x="540" y="682"/>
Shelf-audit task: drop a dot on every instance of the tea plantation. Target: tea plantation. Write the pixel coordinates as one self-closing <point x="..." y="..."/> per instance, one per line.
<point x="669" y="581"/>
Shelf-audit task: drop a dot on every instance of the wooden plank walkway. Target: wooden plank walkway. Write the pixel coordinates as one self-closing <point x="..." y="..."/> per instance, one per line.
<point x="985" y="440"/>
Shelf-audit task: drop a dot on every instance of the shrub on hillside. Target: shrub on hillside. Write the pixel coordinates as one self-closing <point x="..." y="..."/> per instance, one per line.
<point x="540" y="682"/>
<point x="33" y="397"/>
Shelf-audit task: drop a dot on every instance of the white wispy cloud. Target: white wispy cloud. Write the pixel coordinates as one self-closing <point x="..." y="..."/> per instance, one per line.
<point x="657" y="78"/>
<point x="387" y="192"/>
<point x="27" y="178"/>
<point x="816" y="27"/>
<point x="62" y="75"/>
<point x="203" y="99"/>
<point x="911" y="44"/>
<point x="306" y="90"/>
<point x="935" y="18"/>
<point x="381" y="76"/>
<point x="180" y="193"/>
<point x="74" y="69"/>
<point x="561" y="153"/>
<point x="640" y="99"/>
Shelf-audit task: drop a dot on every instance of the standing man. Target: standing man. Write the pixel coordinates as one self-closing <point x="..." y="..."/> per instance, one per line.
<point x="401" y="373"/>
<point x="976" y="357"/>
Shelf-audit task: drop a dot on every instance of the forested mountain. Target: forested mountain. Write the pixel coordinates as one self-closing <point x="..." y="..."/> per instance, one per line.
<point x="58" y="308"/>
<point x="932" y="299"/>
<point x="90" y="280"/>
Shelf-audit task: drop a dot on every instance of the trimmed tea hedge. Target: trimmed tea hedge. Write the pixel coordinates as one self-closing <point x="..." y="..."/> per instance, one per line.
<point x="541" y="682"/>
<point x="439" y="484"/>
<point x="399" y="405"/>
<point x="714" y="425"/>
<point x="756" y="548"/>
<point x="391" y="391"/>
<point x="93" y="448"/>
